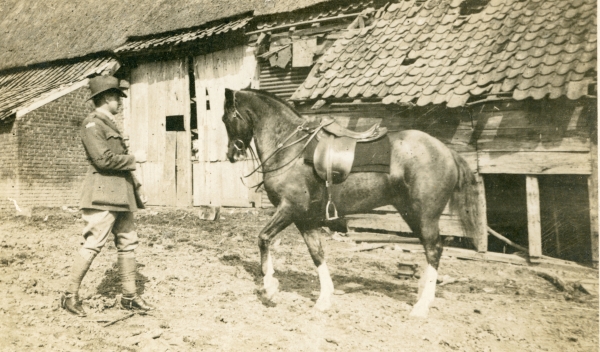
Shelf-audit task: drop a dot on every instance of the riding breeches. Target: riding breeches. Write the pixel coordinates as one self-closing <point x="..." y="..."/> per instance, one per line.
<point x="100" y="223"/>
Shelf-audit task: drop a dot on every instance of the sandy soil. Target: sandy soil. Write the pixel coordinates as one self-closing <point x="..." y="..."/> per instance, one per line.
<point x="203" y="276"/>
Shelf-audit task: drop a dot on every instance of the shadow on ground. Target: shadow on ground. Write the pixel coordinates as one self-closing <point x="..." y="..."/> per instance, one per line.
<point x="304" y="284"/>
<point x="111" y="283"/>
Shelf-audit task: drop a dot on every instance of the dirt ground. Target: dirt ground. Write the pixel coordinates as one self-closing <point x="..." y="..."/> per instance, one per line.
<point x="203" y="276"/>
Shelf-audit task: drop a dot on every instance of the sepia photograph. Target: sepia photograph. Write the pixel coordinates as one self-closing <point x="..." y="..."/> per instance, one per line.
<point x="299" y="175"/>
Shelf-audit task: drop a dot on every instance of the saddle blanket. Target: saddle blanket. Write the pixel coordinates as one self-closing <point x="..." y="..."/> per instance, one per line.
<point x="368" y="157"/>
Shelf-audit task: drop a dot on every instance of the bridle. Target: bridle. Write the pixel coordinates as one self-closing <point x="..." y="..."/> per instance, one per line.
<point x="239" y="145"/>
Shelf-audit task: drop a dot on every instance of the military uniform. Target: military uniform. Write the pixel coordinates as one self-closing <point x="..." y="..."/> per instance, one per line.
<point x="109" y="198"/>
<point x="109" y="192"/>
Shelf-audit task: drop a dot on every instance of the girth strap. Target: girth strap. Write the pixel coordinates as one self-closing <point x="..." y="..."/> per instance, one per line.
<point x="329" y="181"/>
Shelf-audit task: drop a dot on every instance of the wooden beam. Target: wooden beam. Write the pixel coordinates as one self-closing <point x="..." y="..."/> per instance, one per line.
<point x="482" y="244"/>
<point x="534" y="226"/>
<point x="318" y="20"/>
<point x="547" y="163"/>
<point x="593" y="197"/>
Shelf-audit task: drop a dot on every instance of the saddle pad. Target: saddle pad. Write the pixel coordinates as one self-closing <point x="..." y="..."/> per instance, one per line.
<point x="371" y="156"/>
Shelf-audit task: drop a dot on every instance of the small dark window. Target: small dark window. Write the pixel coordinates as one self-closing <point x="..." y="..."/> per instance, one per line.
<point x="175" y="123"/>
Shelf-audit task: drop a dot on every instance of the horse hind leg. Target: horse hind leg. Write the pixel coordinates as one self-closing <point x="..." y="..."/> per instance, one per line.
<point x="312" y="237"/>
<point x="280" y="220"/>
<point x="427" y="283"/>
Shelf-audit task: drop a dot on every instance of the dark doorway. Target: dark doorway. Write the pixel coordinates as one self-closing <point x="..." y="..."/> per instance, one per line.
<point x="506" y="210"/>
<point x="565" y="217"/>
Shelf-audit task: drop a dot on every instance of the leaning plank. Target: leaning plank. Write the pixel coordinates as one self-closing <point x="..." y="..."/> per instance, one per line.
<point x="499" y="236"/>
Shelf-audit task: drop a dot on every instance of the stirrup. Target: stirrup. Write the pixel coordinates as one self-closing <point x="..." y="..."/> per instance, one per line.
<point x="327" y="211"/>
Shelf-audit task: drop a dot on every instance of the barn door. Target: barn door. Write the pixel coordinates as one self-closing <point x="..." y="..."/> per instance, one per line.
<point x="160" y="120"/>
<point x="216" y="180"/>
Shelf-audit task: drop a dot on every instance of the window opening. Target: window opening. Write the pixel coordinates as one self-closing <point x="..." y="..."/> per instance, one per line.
<point x="174" y="123"/>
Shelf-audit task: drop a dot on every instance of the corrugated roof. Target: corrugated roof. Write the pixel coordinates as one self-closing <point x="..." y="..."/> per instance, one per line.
<point x="445" y="51"/>
<point x="21" y="89"/>
<point x="172" y="39"/>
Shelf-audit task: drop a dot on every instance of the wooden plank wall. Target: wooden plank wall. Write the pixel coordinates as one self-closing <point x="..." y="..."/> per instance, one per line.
<point x="548" y="137"/>
<point x="530" y="138"/>
<point x="160" y="89"/>
<point x="217" y="181"/>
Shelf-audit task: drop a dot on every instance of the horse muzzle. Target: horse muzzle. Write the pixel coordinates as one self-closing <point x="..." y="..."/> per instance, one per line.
<point x="236" y="151"/>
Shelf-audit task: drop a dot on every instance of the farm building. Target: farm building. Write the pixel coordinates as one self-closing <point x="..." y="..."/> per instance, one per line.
<point x="43" y="94"/>
<point x="178" y="79"/>
<point x="510" y="85"/>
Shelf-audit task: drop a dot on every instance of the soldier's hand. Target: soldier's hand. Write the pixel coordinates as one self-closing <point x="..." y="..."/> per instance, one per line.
<point x="140" y="156"/>
<point x="142" y="194"/>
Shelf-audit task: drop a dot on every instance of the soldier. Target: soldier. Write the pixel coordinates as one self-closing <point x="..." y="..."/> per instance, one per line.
<point x="110" y="195"/>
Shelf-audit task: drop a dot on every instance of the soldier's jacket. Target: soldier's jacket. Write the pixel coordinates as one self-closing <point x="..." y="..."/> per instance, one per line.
<point x="109" y="183"/>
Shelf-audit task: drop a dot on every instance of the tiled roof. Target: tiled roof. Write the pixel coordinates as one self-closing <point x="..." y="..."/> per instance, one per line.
<point x="173" y="39"/>
<point x="22" y="88"/>
<point x="428" y="52"/>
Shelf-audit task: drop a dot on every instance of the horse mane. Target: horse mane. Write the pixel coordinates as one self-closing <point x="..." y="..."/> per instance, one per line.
<point x="266" y="94"/>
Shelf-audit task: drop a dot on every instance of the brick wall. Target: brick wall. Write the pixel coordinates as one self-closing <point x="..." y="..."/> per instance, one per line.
<point x="8" y="164"/>
<point x="43" y="162"/>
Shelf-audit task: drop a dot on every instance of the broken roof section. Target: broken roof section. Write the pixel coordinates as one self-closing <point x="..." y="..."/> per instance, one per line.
<point x="25" y="90"/>
<point x="172" y="39"/>
<point x="448" y="51"/>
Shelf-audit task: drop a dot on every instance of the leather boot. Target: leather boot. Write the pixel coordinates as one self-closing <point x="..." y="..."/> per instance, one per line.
<point x="71" y="303"/>
<point x="135" y="303"/>
<point x="128" y="271"/>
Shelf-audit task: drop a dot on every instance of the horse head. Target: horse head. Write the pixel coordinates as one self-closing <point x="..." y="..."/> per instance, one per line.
<point x="239" y="128"/>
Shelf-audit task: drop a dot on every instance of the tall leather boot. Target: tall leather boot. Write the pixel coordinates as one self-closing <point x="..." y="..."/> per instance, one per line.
<point x="70" y="299"/>
<point x="127" y="271"/>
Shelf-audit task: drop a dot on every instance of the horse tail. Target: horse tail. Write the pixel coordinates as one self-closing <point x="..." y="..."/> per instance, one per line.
<point x="465" y="199"/>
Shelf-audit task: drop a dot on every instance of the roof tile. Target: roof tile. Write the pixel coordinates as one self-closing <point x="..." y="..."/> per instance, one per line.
<point x="528" y="47"/>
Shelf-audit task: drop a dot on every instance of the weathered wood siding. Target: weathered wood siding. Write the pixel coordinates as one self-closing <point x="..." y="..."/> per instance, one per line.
<point x="161" y="89"/>
<point x="216" y="180"/>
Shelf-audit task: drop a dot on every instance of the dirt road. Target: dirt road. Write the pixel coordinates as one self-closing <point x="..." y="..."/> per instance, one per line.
<point x="203" y="276"/>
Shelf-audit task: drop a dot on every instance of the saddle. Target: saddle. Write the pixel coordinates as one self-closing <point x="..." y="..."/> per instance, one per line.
<point x="334" y="155"/>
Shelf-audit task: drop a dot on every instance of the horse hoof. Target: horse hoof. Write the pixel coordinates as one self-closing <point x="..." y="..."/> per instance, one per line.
<point x="322" y="305"/>
<point x="419" y="311"/>
<point x="272" y="289"/>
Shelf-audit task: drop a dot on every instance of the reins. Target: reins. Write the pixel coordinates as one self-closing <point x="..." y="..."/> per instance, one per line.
<point x="280" y="146"/>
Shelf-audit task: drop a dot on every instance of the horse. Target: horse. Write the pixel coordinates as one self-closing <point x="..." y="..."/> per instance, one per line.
<point x="424" y="176"/>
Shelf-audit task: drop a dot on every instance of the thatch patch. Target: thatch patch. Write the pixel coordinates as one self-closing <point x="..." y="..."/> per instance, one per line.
<point x="34" y="32"/>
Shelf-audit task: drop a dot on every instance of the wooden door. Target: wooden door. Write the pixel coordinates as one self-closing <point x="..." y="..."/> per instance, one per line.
<point x="217" y="181"/>
<point x="160" y="93"/>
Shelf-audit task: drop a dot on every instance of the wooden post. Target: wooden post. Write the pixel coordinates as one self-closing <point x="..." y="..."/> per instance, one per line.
<point x="482" y="245"/>
<point x="534" y="226"/>
<point x="593" y="197"/>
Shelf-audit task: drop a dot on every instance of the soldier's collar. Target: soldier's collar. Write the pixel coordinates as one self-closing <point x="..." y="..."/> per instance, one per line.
<point x="108" y="118"/>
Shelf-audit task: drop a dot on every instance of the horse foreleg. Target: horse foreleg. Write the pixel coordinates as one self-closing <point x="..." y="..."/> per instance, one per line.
<point x="313" y="242"/>
<point x="427" y="283"/>
<point x="278" y="222"/>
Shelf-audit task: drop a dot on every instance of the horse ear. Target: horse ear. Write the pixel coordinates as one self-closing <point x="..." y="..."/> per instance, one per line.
<point x="229" y="98"/>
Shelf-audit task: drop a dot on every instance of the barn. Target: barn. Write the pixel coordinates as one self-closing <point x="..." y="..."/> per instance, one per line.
<point x="510" y="85"/>
<point x="177" y="81"/>
<point x="43" y="93"/>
